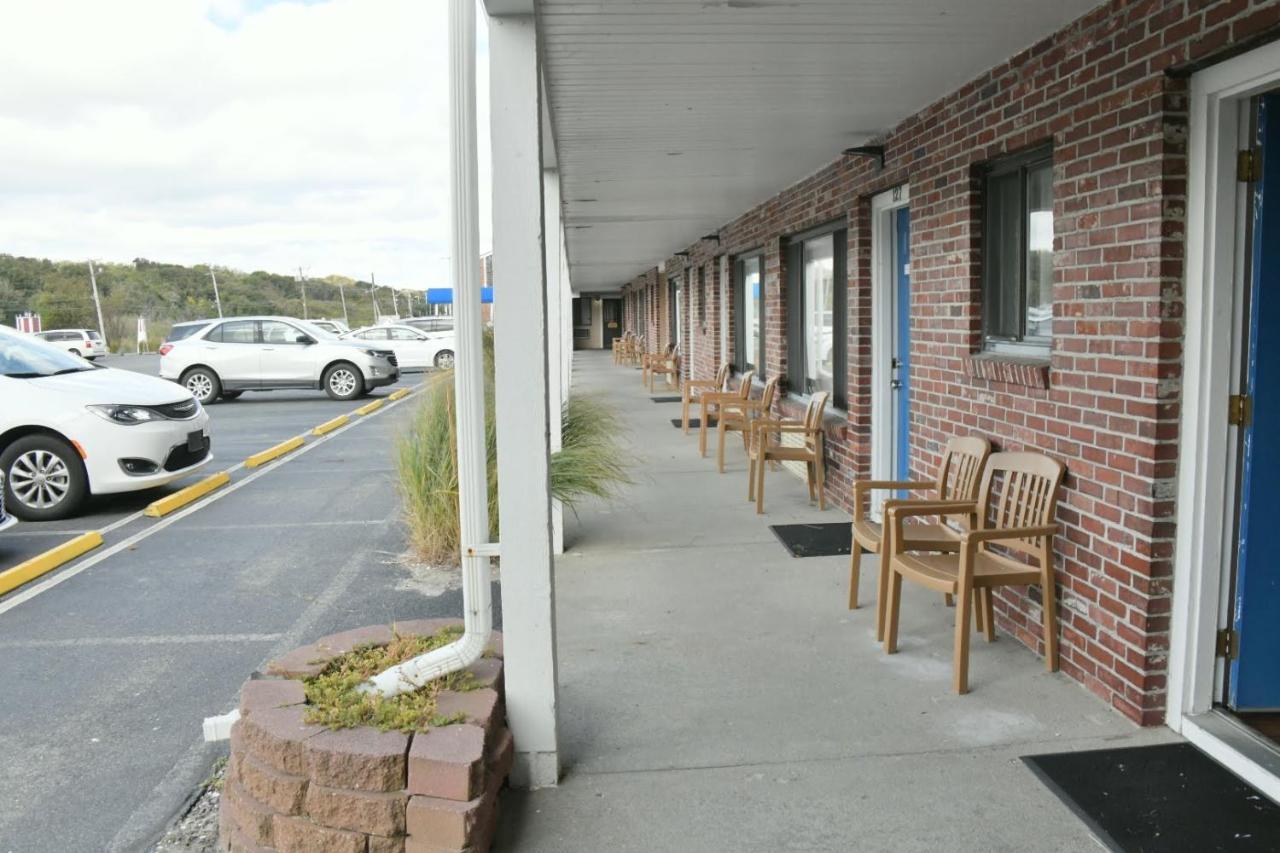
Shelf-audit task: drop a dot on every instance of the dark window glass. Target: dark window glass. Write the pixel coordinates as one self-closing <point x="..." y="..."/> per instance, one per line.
<point x="817" y="327"/>
<point x="750" y="293"/>
<point x="235" y="332"/>
<point x="1018" y="253"/>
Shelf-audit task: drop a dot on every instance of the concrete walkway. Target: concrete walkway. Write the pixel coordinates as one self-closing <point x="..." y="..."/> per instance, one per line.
<point x="717" y="695"/>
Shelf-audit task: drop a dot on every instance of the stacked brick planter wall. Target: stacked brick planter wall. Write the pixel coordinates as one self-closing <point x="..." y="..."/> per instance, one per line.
<point x="1106" y="400"/>
<point x="294" y="787"/>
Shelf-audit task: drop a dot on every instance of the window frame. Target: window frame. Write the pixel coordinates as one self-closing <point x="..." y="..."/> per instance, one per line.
<point x="740" y="361"/>
<point x="673" y="310"/>
<point x="1021" y="163"/>
<point x="797" y="342"/>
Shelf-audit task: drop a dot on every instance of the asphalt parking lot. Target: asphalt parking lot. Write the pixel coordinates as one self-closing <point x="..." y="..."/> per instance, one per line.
<point x="110" y="663"/>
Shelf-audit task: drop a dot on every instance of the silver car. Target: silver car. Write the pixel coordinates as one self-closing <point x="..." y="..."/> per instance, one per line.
<point x="239" y="354"/>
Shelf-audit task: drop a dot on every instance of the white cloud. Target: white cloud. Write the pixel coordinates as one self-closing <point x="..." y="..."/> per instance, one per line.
<point x="250" y="133"/>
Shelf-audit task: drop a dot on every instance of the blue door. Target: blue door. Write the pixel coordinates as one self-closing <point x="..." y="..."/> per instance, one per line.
<point x="902" y="344"/>
<point x="1254" y="682"/>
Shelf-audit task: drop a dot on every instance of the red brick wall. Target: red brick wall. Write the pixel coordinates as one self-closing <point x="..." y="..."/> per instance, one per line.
<point x="1106" y="402"/>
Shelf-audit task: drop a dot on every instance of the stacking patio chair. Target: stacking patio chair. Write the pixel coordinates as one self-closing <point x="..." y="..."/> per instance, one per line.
<point x="650" y="360"/>
<point x="620" y="345"/>
<point x="711" y="402"/>
<point x="1017" y="515"/>
<point x="705" y="386"/>
<point x="635" y="351"/>
<point x="668" y="368"/>
<point x="762" y="449"/>
<point x="958" y="479"/>
<point x="738" y="416"/>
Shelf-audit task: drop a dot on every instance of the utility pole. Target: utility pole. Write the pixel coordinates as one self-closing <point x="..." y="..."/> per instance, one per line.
<point x="216" y="298"/>
<point x="303" y="283"/>
<point x="102" y="327"/>
<point x="346" y="321"/>
<point x="373" y="295"/>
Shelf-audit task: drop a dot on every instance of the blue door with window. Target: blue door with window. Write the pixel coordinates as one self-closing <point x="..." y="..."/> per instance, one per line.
<point x="902" y="343"/>
<point x="1254" y="682"/>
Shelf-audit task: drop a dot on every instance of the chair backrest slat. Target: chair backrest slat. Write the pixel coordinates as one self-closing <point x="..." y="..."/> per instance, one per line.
<point x="744" y="387"/>
<point x="722" y="377"/>
<point x="769" y="392"/>
<point x="1019" y="490"/>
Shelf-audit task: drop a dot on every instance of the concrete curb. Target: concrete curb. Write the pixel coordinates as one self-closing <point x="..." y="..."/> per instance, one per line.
<point x="48" y="561"/>
<point x="182" y="497"/>
<point x="330" y="426"/>
<point x="370" y="408"/>
<point x="274" y="452"/>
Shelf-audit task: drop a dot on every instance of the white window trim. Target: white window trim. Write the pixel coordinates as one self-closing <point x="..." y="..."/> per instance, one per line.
<point x="1204" y="491"/>
<point x="882" y="297"/>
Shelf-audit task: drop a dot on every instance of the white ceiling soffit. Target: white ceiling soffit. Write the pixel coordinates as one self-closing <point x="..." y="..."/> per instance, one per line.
<point x="672" y="117"/>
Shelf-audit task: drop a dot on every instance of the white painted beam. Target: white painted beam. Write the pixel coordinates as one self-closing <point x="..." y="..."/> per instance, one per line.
<point x="523" y="402"/>
<point x="555" y="326"/>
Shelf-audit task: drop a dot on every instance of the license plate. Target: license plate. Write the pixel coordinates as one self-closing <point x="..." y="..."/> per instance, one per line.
<point x="195" y="441"/>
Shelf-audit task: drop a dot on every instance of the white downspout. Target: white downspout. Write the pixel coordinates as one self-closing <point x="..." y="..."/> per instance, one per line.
<point x="468" y="377"/>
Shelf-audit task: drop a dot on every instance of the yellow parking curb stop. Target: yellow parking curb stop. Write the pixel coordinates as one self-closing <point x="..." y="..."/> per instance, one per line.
<point x="400" y="395"/>
<point x="182" y="497"/>
<point x="48" y="561"/>
<point x="330" y="426"/>
<point x="274" y="452"/>
<point x="370" y="408"/>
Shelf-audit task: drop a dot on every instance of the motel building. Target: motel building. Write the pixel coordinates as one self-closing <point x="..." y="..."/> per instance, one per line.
<point x="1052" y="224"/>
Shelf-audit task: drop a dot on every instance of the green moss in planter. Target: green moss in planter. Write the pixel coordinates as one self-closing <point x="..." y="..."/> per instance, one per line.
<point x="336" y="703"/>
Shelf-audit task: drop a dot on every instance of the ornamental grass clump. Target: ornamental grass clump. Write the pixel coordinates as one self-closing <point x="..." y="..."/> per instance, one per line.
<point x="593" y="462"/>
<point x="336" y="703"/>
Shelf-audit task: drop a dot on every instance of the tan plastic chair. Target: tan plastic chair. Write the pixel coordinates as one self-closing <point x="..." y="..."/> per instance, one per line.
<point x="711" y="404"/>
<point x="650" y="360"/>
<point x="669" y="369"/>
<point x="1018" y="515"/>
<point x="761" y="449"/>
<point x="712" y="386"/>
<point x="738" y="415"/>
<point x="958" y="478"/>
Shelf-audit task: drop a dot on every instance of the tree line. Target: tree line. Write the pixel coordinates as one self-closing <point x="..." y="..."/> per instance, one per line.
<point x="164" y="294"/>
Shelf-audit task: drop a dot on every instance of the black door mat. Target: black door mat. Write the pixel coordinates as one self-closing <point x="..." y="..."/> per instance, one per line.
<point x="1167" y="798"/>
<point x="666" y="399"/>
<point x="694" y="423"/>
<point x="815" y="540"/>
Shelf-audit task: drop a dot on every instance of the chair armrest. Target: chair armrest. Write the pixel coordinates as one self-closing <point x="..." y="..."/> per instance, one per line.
<point x="896" y="511"/>
<point x="862" y="487"/>
<point x="973" y="537"/>
<point x="721" y="396"/>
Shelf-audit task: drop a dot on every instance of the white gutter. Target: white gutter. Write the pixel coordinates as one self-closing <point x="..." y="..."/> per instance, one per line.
<point x="468" y="376"/>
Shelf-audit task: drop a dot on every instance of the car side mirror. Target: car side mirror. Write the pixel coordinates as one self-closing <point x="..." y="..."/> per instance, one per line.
<point x="305" y="339"/>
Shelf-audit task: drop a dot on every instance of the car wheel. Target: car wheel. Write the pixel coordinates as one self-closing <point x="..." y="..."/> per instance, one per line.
<point x="444" y="359"/>
<point x="231" y="395"/>
<point x="343" y="381"/>
<point x="203" y="384"/>
<point x="44" y="478"/>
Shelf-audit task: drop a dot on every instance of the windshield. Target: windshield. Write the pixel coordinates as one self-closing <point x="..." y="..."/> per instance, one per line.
<point x="25" y="357"/>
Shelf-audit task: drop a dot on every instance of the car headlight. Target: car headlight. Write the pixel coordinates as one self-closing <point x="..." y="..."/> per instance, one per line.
<point x="372" y="353"/>
<point x="127" y="415"/>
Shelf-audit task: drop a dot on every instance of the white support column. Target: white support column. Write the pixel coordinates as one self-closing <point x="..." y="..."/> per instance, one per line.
<point x="566" y="317"/>
<point x="523" y="401"/>
<point x="555" y="333"/>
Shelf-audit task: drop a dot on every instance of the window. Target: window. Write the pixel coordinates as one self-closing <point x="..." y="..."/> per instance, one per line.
<point x="582" y="308"/>
<point x="673" y="311"/>
<point x="235" y="332"/>
<point x="405" y="335"/>
<point x="277" y="334"/>
<point x="817" y="290"/>
<point x="1018" y="254"/>
<point x="749" y="280"/>
<point x="373" y="335"/>
<point x="702" y="297"/>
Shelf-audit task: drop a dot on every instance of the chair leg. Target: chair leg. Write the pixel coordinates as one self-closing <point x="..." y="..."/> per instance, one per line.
<point x="751" y="478"/>
<point x="882" y="593"/>
<point x="960" y="665"/>
<point x="808" y="476"/>
<point x="684" y="411"/>
<point x="821" y="475"/>
<point x="702" y="431"/>
<point x="720" y="445"/>
<point x="1050" y="615"/>
<point x="978" y="612"/>
<point x="855" y="566"/>
<point x="891" y="610"/>
<point x="949" y="599"/>
<point x="988" y="614"/>
<point x="760" y="483"/>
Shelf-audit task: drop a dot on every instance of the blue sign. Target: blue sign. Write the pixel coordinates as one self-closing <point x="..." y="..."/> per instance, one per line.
<point x="444" y="295"/>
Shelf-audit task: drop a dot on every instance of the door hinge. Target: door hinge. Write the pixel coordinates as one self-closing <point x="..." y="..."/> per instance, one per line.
<point x="1239" y="408"/>
<point x="1248" y="166"/>
<point x="1227" y="644"/>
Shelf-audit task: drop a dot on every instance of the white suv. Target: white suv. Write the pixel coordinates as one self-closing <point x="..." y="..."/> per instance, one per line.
<point x="85" y="343"/>
<point x="241" y="354"/>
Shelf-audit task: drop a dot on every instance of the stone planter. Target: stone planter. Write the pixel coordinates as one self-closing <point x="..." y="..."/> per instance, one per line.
<point x="293" y="787"/>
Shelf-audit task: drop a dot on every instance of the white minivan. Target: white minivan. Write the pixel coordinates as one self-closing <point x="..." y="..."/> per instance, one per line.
<point x="69" y="429"/>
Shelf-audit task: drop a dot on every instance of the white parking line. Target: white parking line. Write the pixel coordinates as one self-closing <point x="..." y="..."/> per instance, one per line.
<point x="97" y="557"/>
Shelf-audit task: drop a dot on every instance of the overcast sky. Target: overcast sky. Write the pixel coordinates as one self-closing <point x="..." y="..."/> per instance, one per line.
<point x="256" y="134"/>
